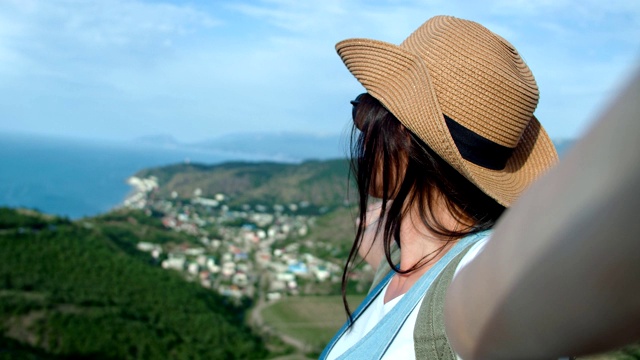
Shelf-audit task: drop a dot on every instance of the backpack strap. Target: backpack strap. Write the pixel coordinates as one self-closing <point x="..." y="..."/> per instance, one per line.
<point x="430" y="340"/>
<point x="375" y="343"/>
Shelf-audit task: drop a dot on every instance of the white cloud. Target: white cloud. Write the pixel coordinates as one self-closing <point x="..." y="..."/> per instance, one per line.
<point x="270" y="64"/>
<point x="65" y="36"/>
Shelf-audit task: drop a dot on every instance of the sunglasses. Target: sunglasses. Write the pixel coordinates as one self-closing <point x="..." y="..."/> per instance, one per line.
<point x="354" y="109"/>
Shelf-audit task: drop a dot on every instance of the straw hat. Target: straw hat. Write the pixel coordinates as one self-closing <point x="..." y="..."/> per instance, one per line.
<point x="467" y="93"/>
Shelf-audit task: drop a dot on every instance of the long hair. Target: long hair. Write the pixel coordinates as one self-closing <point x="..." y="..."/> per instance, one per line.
<point x="390" y="163"/>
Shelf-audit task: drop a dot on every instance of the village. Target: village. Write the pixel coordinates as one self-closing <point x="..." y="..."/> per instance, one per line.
<point x="242" y="251"/>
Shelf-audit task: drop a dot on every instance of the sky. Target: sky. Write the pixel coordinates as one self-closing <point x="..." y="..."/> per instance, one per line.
<point x="196" y="70"/>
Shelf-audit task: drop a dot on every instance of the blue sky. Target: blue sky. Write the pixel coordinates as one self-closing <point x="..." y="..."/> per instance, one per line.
<point x="121" y="69"/>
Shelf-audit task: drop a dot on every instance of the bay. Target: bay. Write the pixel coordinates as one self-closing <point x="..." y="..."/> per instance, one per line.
<point x="78" y="178"/>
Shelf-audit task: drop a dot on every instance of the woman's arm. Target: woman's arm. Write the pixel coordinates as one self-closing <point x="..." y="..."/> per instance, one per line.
<point x="561" y="274"/>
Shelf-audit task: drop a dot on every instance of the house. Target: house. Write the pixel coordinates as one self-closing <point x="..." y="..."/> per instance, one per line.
<point x="146" y="246"/>
<point x="285" y="276"/>
<point x="228" y="268"/>
<point x="240" y="279"/>
<point x="211" y="265"/>
<point x="277" y="285"/>
<point x="298" y="268"/>
<point x="321" y="273"/>
<point x="193" y="268"/>
<point x="175" y="262"/>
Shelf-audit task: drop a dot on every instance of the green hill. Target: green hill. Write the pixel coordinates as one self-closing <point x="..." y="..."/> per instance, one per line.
<point x="78" y="290"/>
<point x="322" y="183"/>
<point x="83" y="290"/>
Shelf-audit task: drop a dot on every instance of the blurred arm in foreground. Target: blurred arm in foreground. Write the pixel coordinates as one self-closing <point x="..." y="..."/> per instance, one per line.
<point x="561" y="274"/>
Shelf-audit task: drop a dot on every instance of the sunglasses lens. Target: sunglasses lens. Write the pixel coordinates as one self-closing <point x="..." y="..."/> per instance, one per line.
<point x="354" y="109"/>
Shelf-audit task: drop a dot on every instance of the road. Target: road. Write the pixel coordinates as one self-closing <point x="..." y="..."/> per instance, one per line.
<point x="256" y="321"/>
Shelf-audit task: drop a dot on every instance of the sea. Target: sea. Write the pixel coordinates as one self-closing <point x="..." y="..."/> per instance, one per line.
<point x="81" y="178"/>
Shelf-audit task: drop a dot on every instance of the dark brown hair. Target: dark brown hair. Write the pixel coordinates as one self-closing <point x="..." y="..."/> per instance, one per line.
<point x="390" y="162"/>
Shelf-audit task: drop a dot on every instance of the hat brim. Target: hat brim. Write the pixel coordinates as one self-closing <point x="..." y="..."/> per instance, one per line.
<point x="400" y="80"/>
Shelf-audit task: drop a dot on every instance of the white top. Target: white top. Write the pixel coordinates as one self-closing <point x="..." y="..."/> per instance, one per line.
<point x="402" y="345"/>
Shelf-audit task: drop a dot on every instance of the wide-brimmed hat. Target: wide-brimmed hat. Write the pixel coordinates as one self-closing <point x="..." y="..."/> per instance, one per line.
<point x="467" y="93"/>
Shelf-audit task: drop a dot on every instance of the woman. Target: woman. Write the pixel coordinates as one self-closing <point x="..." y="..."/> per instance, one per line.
<point x="447" y="141"/>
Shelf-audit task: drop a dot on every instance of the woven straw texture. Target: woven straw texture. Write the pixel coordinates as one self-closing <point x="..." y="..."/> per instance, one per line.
<point x="459" y="68"/>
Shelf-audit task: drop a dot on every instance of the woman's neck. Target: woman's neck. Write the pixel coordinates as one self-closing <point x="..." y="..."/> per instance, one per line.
<point x="420" y="248"/>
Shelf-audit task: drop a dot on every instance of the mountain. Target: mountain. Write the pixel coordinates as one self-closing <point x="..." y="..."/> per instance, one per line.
<point x="281" y="146"/>
<point x="321" y="183"/>
<point x="158" y="140"/>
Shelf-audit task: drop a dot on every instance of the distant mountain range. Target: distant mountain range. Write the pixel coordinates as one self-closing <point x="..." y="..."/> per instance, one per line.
<point x="282" y="147"/>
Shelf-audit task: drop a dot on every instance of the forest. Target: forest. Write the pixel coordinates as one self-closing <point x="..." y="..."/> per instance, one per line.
<point x="79" y="290"/>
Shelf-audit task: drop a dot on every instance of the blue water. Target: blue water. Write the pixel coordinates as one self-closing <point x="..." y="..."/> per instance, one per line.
<point x="75" y="178"/>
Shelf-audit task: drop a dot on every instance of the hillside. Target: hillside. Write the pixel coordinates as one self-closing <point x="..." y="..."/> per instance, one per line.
<point x="81" y="290"/>
<point x="322" y="183"/>
<point x="85" y="288"/>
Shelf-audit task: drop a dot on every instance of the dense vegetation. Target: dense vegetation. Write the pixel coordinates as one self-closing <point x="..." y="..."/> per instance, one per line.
<point x="73" y="290"/>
